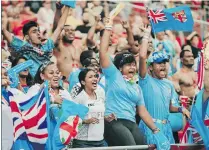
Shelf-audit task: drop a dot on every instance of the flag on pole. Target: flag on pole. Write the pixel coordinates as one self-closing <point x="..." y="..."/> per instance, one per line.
<point x="178" y="18"/>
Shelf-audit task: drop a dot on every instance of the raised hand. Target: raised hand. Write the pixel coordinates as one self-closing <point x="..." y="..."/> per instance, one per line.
<point x="125" y="25"/>
<point x="108" y="22"/>
<point x="98" y="18"/>
<point x="147" y="29"/>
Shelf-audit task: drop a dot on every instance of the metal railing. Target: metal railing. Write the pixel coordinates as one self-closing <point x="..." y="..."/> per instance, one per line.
<point x="147" y="147"/>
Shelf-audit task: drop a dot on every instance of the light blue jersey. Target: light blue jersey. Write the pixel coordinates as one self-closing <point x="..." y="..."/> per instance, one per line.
<point x="122" y="97"/>
<point x="176" y="119"/>
<point x="18" y="44"/>
<point x="157" y="96"/>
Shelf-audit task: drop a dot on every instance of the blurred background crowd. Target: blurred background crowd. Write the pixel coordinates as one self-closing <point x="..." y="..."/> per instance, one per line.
<point x="83" y="29"/>
<point x="16" y="13"/>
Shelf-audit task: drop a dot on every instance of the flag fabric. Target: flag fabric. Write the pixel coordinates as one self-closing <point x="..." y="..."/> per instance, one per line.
<point x="178" y="18"/>
<point x="198" y="128"/>
<point x="200" y="72"/>
<point x="69" y="3"/>
<point x="69" y="123"/>
<point x="30" y="124"/>
<point x="13" y="73"/>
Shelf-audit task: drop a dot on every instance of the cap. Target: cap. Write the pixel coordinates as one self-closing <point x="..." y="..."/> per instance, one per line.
<point x="158" y="57"/>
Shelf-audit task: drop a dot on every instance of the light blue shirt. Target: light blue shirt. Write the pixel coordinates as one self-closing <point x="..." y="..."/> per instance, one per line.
<point x="122" y="97"/>
<point x="73" y="79"/>
<point x="47" y="48"/>
<point x="157" y="96"/>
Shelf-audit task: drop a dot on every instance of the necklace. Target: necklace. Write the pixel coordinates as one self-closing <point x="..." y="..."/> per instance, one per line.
<point x="132" y="80"/>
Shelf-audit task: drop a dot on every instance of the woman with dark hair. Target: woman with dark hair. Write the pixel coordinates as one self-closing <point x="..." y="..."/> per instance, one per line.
<point x="123" y="97"/>
<point x="25" y="78"/>
<point x="92" y="130"/>
<point x="88" y="60"/>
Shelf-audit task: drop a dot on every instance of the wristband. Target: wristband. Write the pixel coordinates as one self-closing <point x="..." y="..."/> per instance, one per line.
<point x="108" y="28"/>
<point x="180" y="109"/>
<point x="145" y="38"/>
<point x="59" y="6"/>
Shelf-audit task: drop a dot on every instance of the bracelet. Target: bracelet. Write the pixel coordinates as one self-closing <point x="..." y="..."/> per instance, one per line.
<point x="145" y="38"/>
<point x="108" y="28"/>
<point x="155" y="130"/>
<point x="180" y="109"/>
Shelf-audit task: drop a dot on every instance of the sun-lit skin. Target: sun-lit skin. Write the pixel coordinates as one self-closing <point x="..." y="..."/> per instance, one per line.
<point x="68" y="34"/>
<point x="34" y="36"/>
<point x="52" y="74"/>
<point x="128" y="69"/>
<point x="158" y="70"/>
<point x="188" y="59"/>
<point x="91" y="80"/>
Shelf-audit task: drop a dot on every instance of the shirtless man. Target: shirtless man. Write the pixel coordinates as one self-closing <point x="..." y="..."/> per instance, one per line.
<point x="67" y="55"/>
<point x="185" y="80"/>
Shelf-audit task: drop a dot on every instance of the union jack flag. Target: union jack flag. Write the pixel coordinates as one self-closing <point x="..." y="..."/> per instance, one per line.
<point x="157" y="16"/>
<point x="30" y="123"/>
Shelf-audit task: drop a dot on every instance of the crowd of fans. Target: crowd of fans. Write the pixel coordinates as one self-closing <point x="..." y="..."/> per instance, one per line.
<point x="128" y="77"/>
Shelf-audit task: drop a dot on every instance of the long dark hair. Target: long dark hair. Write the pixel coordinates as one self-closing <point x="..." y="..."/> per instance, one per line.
<point x="41" y="69"/>
<point x="81" y="77"/>
<point x="29" y="78"/>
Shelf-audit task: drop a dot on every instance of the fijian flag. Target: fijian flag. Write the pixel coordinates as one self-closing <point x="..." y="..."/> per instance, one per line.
<point x="30" y="117"/>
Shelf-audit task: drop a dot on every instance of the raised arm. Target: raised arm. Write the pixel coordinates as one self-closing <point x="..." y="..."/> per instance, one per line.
<point x="126" y="26"/>
<point x="143" y="53"/>
<point x="61" y="24"/>
<point x="90" y="36"/>
<point x="57" y="15"/>
<point x="103" y="52"/>
<point x="5" y="32"/>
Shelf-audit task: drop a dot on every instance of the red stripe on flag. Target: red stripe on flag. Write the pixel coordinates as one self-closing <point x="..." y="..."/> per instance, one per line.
<point x="18" y="127"/>
<point x="30" y="110"/>
<point x="70" y="129"/>
<point x="14" y="107"/>
<point x="40" y="136"/>
<point x="201" y="71"/>
<point x="33" y="121"/>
